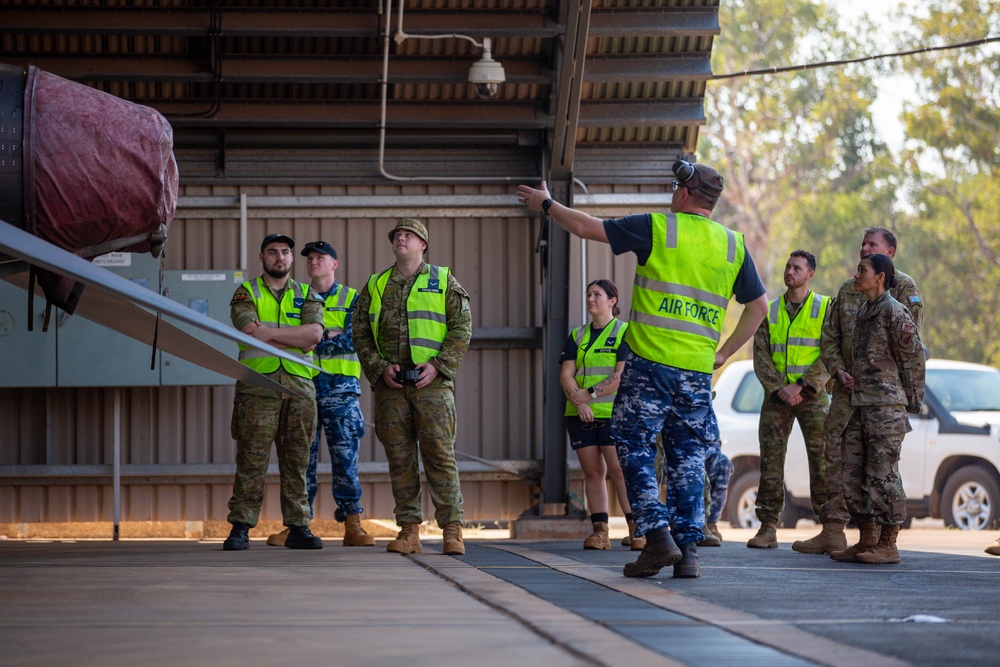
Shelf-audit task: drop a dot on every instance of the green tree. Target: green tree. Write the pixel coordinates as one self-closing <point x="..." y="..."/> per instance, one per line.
<point x="953" y="164"/>
<point x="786" y="143"/>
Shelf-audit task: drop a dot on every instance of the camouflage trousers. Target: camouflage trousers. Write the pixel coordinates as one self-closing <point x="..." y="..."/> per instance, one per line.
<point x="773" y="430"/>
<point x="288" y="421"/>
<point x="409" y="421"/>
<point x="873" y="489"/>
<point x="655" y="398"/>
<point x="341" y="419"/>
<point x="718" y="471"/>
<point x="834" y="509"/>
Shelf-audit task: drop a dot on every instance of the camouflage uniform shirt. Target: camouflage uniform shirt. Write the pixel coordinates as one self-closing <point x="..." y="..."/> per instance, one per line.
<point x="837" y="345"/>
<point x="888" y="358"/>
<point x="394" y="334"/>
<point x="242" y="311"/>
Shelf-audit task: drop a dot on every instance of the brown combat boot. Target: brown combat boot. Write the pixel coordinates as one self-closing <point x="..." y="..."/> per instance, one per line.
<point x="660" y="551"/>
<point x="354" y="534"/>
<point x="831" y="539"/>
<point x="407" y="541"/>
<point x="993" y="549"/>
<point x="278" y="539"/>
<point x="866" y="542"/>
<point x="599" y="538"/>
<point x="711" y="537"/>
<point x="453" y="543"/>
<point x="766" y="537"/>
<point x="885" y="552"/>
<point x="638" y="541"/>
<point x="627" y="540"/>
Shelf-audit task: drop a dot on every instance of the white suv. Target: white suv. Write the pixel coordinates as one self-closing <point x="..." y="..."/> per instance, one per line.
<point x="949" y="463"/>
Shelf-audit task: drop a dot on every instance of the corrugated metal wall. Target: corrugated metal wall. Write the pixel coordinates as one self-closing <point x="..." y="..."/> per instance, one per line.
<point x="176" y="441"/>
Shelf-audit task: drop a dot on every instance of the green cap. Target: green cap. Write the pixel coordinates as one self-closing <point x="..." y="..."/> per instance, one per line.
<point x="411" y="225"/>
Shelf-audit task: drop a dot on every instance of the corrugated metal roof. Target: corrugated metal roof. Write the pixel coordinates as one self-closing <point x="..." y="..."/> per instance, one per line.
<point x="230" y="73"/>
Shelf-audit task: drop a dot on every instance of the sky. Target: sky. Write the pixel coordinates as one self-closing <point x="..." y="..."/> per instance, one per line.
<point x="894" y="91"/>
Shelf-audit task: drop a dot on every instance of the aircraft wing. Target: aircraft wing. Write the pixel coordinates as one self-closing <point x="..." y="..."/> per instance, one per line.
<point x="114" y="302"/>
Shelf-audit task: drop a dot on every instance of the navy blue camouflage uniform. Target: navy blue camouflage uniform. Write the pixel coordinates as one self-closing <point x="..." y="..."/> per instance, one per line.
<point x="654" y="398"/>
<point x="341" y="419"/>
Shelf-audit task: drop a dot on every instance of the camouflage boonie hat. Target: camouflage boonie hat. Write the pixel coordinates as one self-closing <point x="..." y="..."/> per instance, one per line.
<point x="411" y="225"/>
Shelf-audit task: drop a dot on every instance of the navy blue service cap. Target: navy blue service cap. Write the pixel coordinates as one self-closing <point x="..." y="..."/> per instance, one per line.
<point x="276" y="238"/>
<point x="319" y="246"/>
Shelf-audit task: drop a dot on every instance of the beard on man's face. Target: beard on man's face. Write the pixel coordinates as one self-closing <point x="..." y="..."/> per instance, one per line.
<point x="277" y="273"/>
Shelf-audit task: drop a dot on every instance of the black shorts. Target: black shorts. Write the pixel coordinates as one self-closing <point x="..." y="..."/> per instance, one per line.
<point x="582" y="434"/>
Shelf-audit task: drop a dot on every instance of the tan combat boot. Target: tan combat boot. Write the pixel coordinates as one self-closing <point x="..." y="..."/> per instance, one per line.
<point x="599" y="538"/>
<point x="638" y="543"/>
<point x="354" y="534"/>
<point x="866" y="542"/>
<point x="627" y="540"/>
<point x="711" y="537"/>
<point x="885" y="552"/>
<point x="993" y="549"/>
<point x="766" y="537"/>
<point x="278" y="539"/>
<point x="407" y="541"/>
<point x="831" y="539"/>
<point x="454" y="545"/>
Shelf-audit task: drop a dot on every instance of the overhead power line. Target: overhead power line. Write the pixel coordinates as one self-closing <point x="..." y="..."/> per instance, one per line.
<point x="836" y="63"/>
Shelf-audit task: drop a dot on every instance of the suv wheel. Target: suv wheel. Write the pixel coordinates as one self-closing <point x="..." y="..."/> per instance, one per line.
<point x="971" y="499"/>
<point x="740" y="507"/>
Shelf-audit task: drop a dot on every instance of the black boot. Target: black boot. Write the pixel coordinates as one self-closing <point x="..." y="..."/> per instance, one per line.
<point x="239" y="538"/>
<point x="687" y="567"/>
<point x="659" y="552"/>
<point x="300" y="537"/>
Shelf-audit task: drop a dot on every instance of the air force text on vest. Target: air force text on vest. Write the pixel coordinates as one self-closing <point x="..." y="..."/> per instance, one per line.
<point x="689" y="309"/>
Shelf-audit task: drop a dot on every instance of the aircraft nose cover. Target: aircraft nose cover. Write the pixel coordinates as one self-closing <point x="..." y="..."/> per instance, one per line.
<point x="97" y="168"/>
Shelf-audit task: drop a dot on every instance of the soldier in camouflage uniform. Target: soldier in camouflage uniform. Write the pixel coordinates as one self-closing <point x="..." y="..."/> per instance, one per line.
<point x="888" y="376"/>
<point x="786" y="361"/>
<point x="337" y="392"/>
<point x="689" y="267"/>
<point x="412" y="327"/>
<point x="836" y="353"/>
<point x="277" y="310"/>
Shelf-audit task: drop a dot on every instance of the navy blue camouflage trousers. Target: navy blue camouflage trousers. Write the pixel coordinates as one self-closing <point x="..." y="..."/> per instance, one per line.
<point x="341" y="419"/>
<point x="655" y="398"/>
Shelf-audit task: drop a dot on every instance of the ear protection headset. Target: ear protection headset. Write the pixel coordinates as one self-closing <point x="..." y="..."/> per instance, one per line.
<point x="685" y="171"/>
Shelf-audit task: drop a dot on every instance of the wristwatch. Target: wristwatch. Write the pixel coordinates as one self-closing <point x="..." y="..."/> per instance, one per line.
<point x="593" y="393"/>
<point x="546" y="204"/>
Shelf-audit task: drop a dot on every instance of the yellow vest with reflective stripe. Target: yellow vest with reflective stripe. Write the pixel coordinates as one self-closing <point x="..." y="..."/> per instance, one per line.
<point x="336" y="308"/>
<point x="681" y="293"/>
<point x="272" y="314"/>
<point x="426" y="315"/>
<point x="596" y="362"/>
<point x="795" y="343"/>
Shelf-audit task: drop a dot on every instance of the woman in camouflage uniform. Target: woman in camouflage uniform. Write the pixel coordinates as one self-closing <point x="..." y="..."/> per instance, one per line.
<point x="888" y="382"/>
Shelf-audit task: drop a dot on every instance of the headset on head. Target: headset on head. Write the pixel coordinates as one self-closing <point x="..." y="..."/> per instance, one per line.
<point x="685" y="171"/>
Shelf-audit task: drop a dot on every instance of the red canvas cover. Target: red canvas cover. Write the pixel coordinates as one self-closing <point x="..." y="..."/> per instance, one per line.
<point x="97" y="168"/>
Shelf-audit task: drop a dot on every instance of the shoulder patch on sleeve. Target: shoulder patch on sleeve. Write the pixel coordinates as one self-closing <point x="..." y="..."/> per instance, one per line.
<point x="239" y="297"/>
<point x="914" y="299"/>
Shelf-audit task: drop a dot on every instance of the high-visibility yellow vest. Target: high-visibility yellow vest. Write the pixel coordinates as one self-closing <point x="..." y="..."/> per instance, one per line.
<point x="427" y="317"/>
<point x="795" y="343"/>
<point x="596" y="362"/>
<point x="272" y="314"/>
<point x="682" y="292"/>
<point x="336" y="308"/>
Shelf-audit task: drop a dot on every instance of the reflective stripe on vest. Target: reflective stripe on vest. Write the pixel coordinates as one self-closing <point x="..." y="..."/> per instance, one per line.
<point x="795" y="343"/>
<point x="335" y="311"/>
<point x="272" y="314"/>
<point x="426" y="314"/>
<point x="596" y="362"/>
<point x="682" y="292"/>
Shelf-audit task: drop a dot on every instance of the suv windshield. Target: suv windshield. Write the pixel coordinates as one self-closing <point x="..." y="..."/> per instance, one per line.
<point x="963" y="390"/>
